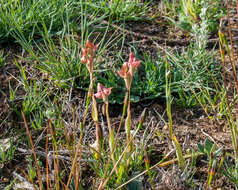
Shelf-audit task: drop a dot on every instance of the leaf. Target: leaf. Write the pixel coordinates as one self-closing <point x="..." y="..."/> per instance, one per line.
<point x="208" y="146"/>
<point x="179" y="153"/>
<point x="94" y="110"/>
<point x="135" y="99"/>
<point x="201" y="148"/>
<point x="120" y="173"/>
<point x="135" y="184"/>
<point x="218" y="152"/>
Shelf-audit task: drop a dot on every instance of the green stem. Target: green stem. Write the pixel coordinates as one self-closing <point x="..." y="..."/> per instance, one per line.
<point x="168" y="98"/>
<point x="111" y="132"/>
<point x="123" y="112"/>
<point x="128" y="118"/>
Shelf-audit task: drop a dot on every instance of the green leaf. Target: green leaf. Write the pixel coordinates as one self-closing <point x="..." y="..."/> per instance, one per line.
<point x="201" y="148"/>
<point x="135" y="98"/>
<point x="94" y="110"/>
<point x="218" y="152"/>
<point x="179" y="153"/>
<point x="135" y="184"/>
<point x="120" y="173"/>
<point x="208" y="146"/>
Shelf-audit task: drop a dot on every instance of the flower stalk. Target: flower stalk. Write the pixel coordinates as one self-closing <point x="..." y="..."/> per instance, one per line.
<point x="103" y="93"/>
<point x="127" y="73"/>
<point x="88" y="56"/>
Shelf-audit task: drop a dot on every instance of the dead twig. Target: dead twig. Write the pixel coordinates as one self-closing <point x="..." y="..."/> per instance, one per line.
<point x="34" y="151"/>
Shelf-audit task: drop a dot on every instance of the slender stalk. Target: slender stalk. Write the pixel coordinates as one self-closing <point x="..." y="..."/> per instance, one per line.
<point x="147" y="165"/>
<point x="74" y="130"/>
<point x="122" y="118"/>
<point x="209" y="173"/>
<point x="229" y="116"/>
<point x="169" y="114"/>
<point x="232" y="124"/>
<point x="47" y="156"/>
<point x="98" y="128"/>
<point x="125" y="105"/>
<point x="128" y="121"/>
<point x="55" y="155"/>
<point x="74" y="140"/>
<point x="111" y="132"/>
<point x="237" y="7"/>
<point x="89" y="97"/>
<point x="139" y="126"/>
<point x="232" y="59"/>
<point x="74" y="160"/>
<point x="108" y="117"/>
<point x="34" y="151"/>
<point x="222" y="52"/>
<point x="168" y="98"/>
<point x="80" y="157"/>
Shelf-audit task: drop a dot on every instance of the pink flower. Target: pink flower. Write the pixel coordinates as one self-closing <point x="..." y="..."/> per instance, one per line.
<point x="124" y="72"/>
<point x="132" y="61"/>
<point x="102" y="92"/>
<point x="128" y="69"/>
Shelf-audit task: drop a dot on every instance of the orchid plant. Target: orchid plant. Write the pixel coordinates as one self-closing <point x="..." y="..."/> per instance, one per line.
<point x="88" y="56"/>
<point x="127" y="72"/>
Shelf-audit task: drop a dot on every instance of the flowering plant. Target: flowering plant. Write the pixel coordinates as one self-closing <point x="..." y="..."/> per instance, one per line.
<point x="128" y="69"/>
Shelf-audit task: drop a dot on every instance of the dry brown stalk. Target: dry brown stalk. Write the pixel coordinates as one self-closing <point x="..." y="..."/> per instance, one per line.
<point x="34" y="151"/>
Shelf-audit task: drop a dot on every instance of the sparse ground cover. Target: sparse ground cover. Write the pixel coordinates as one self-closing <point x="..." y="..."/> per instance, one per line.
<point x="118" y="94"/>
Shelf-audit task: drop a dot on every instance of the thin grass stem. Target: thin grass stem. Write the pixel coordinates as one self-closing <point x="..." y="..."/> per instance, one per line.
<point x="34" y="152"/>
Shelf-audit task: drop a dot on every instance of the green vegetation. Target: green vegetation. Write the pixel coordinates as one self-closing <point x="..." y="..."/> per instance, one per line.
<point x="70" y="136"/>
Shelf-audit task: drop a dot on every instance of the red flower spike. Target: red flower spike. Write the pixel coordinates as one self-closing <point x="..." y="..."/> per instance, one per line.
<point x="88" y="55"/>
<point x="90" y="45"/>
